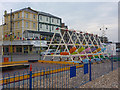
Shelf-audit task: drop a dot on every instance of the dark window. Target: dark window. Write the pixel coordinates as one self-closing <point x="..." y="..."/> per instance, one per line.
<point x="57" y="21"/>
<point x="52" y="20"/>
<point x="18" y="15"/>
<point x="33" y="25"/>
<point x="26" y="15"/>
<point x="52" y="27"/>
<point x="34" y="16"/>
<point x="46" y="18"/>
<point x="40" y="17"/>
<point x="40" y="25"/>
<point x="46" y="26"/>
<point x="18" y="49"/>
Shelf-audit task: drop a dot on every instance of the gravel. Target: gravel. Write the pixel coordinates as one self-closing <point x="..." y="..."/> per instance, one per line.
<point x="109" y="80"/>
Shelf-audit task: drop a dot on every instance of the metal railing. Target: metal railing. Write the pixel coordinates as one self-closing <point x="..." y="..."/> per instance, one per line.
<point x="61" y="76"/>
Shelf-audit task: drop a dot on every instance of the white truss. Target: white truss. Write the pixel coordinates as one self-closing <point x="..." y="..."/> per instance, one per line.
<point x="86" y="42"/>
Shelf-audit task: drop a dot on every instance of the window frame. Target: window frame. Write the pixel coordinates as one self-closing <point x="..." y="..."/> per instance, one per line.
<point x="26" y="24"/>
<point x="33" y="25"/>
<point x="26" y="15"/>
<point x="34" y="16"/>
<point x="18" y="24"/>
<point x="18" y="15"/>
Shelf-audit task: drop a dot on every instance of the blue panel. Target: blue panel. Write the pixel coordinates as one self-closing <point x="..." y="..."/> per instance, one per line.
<point x="72" y="71"/>
<point x="86" y="68"/>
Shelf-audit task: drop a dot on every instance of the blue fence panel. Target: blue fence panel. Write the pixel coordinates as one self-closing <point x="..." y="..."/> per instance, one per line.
<point x="72" y="71"/>
<point x="86" y="68"/>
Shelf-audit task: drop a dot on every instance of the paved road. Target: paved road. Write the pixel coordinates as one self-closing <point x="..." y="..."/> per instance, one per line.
<point x="28" y="57"/>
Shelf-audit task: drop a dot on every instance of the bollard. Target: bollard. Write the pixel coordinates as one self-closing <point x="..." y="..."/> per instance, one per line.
<point x="30" y="77"/>
<point x="90" y="70"/>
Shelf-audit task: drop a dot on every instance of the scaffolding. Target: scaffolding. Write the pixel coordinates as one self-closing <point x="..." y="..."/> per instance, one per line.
<point x="84" y="46"/>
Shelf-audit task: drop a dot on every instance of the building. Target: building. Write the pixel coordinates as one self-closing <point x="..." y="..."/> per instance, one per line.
<point x="28" y="24"/>
<point x="104" y="39"/>
<point x="21" y="46"/>
<point x="48" y="22"/>
<point x="40" y="35"/>
<point x="19" y="21"/>
<point x="1" y="32"/>
<point x="28" y="19"/>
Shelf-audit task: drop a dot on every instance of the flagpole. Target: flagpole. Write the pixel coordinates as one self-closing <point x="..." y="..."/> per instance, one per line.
<point x="11" y="34"/>
<point x="40" y="47"/>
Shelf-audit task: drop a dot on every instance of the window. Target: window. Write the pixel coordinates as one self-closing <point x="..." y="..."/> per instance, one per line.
<point x="18" y="25"/>
<point x="52" y="20"/>
<point x="40" y="25"/>
<point x="40" y="17"/>
<point x="46" y="26"/>
<point x="7" y="26"/>
<point x="7" y="49"/>
<point x="33" y="25"/>
<point x="18" y="15"/>
<point x="52" y="27"/>
<point x="34" y="16"/>
<point x="18" y="49"/>
<point x="46" y="18"/>
<point x="27" y="24"/>
<point x="18" y="34"/>
<point x="13" y="26"/>
<point x="26" y="15"/>
<point x="13" y="16"/>
<point x="57" y="21"/>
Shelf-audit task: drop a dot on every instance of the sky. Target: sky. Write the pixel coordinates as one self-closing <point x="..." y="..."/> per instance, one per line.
<point x="80" y="16"/>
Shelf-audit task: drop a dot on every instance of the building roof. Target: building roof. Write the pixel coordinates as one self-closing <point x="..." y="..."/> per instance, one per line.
<point x="47" y="14"/>
<point x="39" y="12"/>
<point x="42" y="33"/>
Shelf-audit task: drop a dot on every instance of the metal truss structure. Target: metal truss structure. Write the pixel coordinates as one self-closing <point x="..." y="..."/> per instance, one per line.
<point x="72" y="38"/>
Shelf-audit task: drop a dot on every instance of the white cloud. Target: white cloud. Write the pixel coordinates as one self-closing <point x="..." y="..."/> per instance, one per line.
<point x="79" y="16"/>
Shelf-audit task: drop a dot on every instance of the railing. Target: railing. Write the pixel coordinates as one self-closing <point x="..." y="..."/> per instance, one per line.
<point x="60" y="76"/>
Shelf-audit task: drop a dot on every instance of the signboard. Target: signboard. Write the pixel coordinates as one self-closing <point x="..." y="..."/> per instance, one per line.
<point x="72" y="71"/>
<point x="6" y="59"/>
<point x="86" y="68"/>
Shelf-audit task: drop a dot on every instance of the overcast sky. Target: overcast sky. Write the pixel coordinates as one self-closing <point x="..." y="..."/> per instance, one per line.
<point x="85" y="16"/>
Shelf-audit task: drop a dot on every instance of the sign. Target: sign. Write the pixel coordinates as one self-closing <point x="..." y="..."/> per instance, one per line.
<point x="6" y="59"/>
<point x="86" y="68"/>
<point x="72" y="71"/>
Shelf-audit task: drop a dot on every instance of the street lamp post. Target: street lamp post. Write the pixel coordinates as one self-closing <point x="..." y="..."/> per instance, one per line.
<point x="103" y="29"/>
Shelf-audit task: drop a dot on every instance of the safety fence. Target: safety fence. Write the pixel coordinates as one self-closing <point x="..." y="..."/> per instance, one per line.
<point x="61" y="76"/>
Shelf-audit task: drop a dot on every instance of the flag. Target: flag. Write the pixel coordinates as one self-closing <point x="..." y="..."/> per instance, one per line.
<point x="5" y="35"/>
<point x="20" y="38"/>
<point x="9" y="35"/>
<point x="57" y="28"/>
<point x="17" y="37"/>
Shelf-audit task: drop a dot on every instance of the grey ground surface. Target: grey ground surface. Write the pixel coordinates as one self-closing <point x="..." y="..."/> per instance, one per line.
<point x="109" y="80"/>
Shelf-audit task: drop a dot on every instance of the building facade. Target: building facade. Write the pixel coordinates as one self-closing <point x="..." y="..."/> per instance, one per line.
<point x="48" y="22"/>
<point x="1" y="32"/>
<point x="19" y="21"/>
<point x="30" y="25"/>
<point x="40" y="35"/>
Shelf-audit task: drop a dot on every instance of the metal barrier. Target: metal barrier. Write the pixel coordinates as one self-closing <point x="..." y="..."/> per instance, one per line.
<point x="61" y="76"/>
